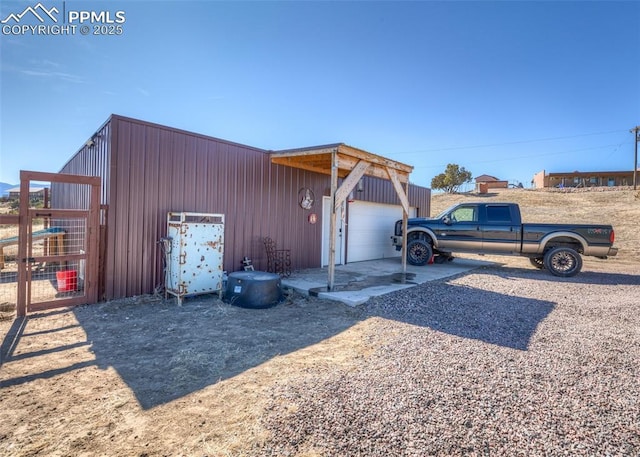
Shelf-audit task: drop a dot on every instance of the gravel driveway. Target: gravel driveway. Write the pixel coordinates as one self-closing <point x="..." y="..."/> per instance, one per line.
<point x="502" y="361"/>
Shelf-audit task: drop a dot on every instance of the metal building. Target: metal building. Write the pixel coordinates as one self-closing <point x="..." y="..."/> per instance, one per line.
<point x="149" y="170"/>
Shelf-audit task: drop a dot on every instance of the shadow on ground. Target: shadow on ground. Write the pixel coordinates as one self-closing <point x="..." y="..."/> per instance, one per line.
<point x="164" y="352"/>
<point x="587" y="276"/>
<point x="467" y="312"/>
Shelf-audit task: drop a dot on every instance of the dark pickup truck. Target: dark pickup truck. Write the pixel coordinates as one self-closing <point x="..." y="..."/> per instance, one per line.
<point x="496" y="228"/>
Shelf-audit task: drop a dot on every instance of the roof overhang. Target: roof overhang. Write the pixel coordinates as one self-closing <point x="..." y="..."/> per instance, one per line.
<point x="342" y="161"/>
<point x="319" y="159"/>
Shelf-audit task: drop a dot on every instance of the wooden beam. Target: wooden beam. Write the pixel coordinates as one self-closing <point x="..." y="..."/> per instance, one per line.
<point x="23" y="233"/>
<point x="350" y="183"/>
<point x="58" y="177"/>
<point x="332" y="222"/>
<point x="305" y="152"/>
<point x="92" y="269"/>
<point x="347" y="163"/>
<point x="405" y="226"/>
<point x="404" y="200"/>
<point x="345" y="150"/>
<point x="381" y="172"/>
<point x="301" y="165"/>
<point x="11" y="219"/>
<point x="340" y="160"/>
<point x="374" y="159"/>
<point x="319" y="161"/>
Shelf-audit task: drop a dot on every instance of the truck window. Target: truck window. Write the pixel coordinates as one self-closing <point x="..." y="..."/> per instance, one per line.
<point x="465" y="214"/>
<point x="498" y="214"/>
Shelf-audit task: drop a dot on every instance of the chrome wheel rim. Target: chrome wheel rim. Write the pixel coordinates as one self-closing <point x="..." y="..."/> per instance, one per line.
<point x="417" y="253"/>
<point x="563" y="261"/>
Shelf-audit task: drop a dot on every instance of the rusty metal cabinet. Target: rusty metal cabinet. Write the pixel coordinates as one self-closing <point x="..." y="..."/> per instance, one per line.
<point x="194" y="254"/>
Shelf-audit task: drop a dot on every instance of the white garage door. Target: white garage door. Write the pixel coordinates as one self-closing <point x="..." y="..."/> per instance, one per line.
<point x="370" y="229"/>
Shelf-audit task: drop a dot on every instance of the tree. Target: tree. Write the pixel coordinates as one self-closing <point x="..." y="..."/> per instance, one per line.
<point x="452" y="178"/>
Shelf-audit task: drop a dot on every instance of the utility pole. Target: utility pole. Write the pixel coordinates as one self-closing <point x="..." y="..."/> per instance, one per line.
<point x="636" y="136"/>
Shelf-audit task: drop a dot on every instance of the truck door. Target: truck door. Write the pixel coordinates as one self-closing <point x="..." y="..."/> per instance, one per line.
<point x="461" y="230"/>
<point x="500" y="230"/>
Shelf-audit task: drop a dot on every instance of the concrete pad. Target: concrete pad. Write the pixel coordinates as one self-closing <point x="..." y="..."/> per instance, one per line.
<point x="356" y="282"/>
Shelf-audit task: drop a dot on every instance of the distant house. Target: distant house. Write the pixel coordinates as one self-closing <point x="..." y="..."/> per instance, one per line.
<point x="486" y="182"/>
<point x="543" y="179"/>
<point x="35" y="193"/>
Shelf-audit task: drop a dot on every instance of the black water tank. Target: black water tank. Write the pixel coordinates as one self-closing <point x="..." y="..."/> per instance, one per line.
<point x="253" y="289"/>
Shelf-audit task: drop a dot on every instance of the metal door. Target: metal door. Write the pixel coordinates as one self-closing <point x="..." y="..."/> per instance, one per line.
<point x="58" y="247"/>
<point x="462" y="233"/>
<point x="499" y="232"/>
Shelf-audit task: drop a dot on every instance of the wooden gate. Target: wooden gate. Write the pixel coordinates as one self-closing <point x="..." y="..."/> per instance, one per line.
<point x="58" y="246"/>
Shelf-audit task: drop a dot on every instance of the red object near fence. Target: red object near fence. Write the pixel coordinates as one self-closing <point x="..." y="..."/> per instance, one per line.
<point x="67" y="280"/>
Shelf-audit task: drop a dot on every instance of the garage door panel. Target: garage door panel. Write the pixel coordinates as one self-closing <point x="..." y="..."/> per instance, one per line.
<point x="369" y="230"/>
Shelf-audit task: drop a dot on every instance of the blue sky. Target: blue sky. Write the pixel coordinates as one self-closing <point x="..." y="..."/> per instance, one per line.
<point x="500" y="88"/>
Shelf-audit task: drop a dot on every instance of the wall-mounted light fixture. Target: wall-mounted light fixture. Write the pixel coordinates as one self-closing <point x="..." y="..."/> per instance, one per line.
<point x="91" y="142"/>
<point x="360" y="185"/>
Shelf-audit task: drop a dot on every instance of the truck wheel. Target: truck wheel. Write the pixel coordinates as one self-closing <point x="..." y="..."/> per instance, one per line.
<point x="537" y="262"/>
<point x="419" y="252"/>
<point x="562" y="261"/>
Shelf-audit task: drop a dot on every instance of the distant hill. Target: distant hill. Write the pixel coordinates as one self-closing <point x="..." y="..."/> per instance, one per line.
<point x="4" y="187"/>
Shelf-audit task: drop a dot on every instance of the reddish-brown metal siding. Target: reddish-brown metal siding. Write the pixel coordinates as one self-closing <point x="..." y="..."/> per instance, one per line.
<point x="382" y="191"/>
<point x="88" y="161"/>
<point x="149" y="170"/>
<point x="157" y="170"/>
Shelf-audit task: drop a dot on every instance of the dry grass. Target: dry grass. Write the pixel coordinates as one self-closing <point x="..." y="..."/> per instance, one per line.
<point x="8" y="231"/>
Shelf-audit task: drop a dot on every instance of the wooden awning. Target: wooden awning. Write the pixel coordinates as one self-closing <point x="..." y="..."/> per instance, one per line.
<point x="318" y="159"/>
<point x="342" y="161"/>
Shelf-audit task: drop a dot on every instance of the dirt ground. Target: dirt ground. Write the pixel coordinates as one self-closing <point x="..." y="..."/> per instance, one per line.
<point x="145" y="377"/>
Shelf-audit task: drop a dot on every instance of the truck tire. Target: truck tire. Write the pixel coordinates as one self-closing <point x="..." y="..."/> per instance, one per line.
<point x="562" y="261"/>
<point x="419" y="252"/>
<point x="537" y="262"/>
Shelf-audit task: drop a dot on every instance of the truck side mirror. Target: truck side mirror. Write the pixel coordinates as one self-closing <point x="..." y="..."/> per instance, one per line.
<point x="446" y="220"/>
